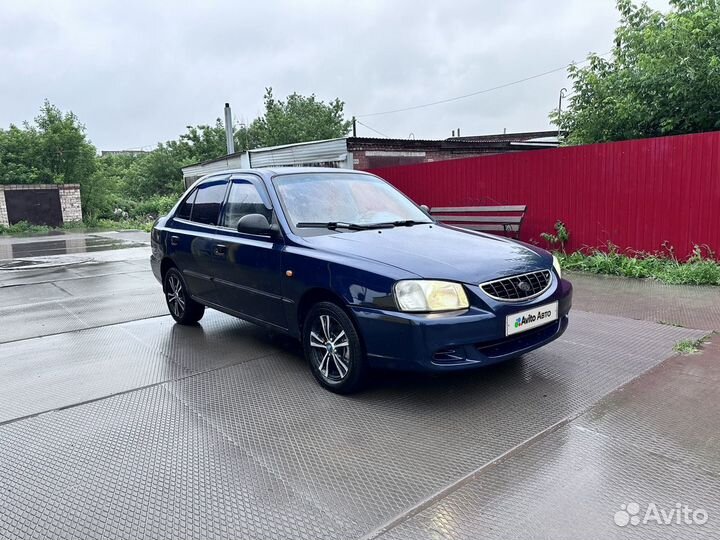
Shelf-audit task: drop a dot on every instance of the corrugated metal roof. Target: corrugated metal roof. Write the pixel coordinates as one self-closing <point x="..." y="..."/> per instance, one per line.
<point x="233" y="161"/>
<point x="508" y="137"/>
<point x="336" y="150"/>
<point x="331" y="150"/>
<point x="306" y="143"/>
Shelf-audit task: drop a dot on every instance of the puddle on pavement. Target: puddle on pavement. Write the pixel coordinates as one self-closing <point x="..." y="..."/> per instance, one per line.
<point x="14" y="256"/>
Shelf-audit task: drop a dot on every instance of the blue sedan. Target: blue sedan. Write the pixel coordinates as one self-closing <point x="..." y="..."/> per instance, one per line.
<point x="356" y="271"/>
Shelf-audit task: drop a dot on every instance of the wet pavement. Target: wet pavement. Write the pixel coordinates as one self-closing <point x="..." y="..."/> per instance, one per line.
<point x="116" y="423"/>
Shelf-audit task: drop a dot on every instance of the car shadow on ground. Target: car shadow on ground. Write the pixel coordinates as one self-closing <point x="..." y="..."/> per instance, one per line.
<point x="385" y="381"/>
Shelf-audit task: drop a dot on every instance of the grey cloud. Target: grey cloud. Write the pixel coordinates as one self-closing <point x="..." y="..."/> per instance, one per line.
<point x="138" y="72"/>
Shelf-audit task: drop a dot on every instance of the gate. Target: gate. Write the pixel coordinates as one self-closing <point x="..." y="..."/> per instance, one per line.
<point x="37" y="206"/>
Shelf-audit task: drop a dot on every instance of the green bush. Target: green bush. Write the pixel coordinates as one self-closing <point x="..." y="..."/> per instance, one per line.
<point x="154" y="206"/>
<point x="699" y="269"/>
<point x="23" y="227"/>
<point x="561" y="236"/>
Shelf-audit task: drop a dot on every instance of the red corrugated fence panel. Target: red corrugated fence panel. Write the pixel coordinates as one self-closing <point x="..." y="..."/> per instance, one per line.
<point x="637" y="194"/>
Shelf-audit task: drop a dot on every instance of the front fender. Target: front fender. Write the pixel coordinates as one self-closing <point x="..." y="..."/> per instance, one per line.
<point x="358" y="282"/>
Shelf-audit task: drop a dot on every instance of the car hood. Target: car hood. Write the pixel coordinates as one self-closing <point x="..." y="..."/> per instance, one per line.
<point x="438" y="252"/>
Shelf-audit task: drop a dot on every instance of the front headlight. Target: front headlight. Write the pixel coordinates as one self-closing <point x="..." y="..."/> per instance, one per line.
<point x="556" y="266"/>
<point x="427" y="295"/>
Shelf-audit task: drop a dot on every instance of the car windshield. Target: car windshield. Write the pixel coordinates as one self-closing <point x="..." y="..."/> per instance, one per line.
<point x="357" y="200"/>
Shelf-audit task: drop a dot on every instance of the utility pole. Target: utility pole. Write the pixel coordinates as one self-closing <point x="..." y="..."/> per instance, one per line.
<point x="354" y="127"/>
<point x="229" y="130"/>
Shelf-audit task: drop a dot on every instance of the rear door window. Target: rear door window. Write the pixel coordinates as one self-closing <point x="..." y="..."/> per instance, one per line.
<point x="185" y="208"/>
<point x="209" y="199"/>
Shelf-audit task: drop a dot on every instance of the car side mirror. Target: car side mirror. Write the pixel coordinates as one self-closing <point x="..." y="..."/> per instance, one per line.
<point x="425" y="208"/>
<point x="255" y="224"/>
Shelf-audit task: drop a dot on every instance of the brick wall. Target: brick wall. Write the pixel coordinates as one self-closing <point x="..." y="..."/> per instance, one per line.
<point x="3" y="209"/>
<point x="70" y="202"/>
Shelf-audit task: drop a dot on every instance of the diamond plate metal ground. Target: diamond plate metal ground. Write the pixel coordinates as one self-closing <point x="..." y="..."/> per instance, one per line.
<point x="355" y="462"/>
<point x="653" y="441"/>
<point x="123" y="426"/>
<point x="686" y="305"/>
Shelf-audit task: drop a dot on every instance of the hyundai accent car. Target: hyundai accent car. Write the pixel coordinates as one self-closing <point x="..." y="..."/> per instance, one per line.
<point x="360" y="274"/>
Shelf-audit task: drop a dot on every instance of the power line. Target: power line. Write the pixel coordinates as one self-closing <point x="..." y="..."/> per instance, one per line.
<point x="373" y="129"/>
<point x="484" y="91"/>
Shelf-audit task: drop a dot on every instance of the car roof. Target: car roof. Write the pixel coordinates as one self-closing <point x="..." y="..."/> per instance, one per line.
<point x="274" y="171"/>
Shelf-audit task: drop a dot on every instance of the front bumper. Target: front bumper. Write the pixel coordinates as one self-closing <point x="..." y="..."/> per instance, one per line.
<point x="455" y="341"/>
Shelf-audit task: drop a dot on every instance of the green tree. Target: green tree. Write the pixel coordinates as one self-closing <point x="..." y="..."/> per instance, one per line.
<point x="201" y="143"/>
<point x="19" y="152"/>
<point x="103" y="191"/>
<point x="65" y="153"/>
<point x="663" y="77"/>
<point x="297" y="119"/>
<point x="155" y="174"/>
<point x="54" y="149"/>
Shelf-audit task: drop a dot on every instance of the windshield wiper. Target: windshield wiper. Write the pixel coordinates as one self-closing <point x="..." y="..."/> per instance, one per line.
<point x="332" y="225"/>
<point x="408" y="223"/>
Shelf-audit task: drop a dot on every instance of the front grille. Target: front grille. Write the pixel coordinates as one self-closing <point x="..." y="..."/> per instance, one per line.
<point x="517" y="288"/>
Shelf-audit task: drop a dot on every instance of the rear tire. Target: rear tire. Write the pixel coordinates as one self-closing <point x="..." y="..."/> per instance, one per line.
<point x="333" y="349"/>
<point x="182" y="308"/>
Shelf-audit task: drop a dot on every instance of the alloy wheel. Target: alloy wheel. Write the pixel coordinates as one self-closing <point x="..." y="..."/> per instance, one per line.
<point x="175" y="295"/>
<point x="330" y="348"/>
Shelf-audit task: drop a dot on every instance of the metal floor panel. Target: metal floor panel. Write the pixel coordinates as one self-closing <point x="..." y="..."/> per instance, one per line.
<point x="53" y="372"/>
<point x="29" y="294"/>
<point x="259" y="450"/>
<point x="141" y="465"/>
<point x="219" y="340"/>
<point x="376" y="454"/>
<point x="115" y="283"/>
<point x="64" y="273"/>
<point x="652" y="441"/>
<point x="58" y="371"/>
<point x="77" y="313"/>
<point x="114" y="267"/>
<point x="128" y="235"/>
<point x="569" y="486"/>
<point x="691" y="306"/>
<point x="668" y="412"/>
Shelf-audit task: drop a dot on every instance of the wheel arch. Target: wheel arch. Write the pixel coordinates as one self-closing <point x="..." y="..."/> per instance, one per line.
<point x="165" y="265"/>
<point x="312" y="297"/>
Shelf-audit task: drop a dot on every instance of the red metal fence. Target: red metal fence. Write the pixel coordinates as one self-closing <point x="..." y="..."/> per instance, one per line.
<point x="637" y="194"/>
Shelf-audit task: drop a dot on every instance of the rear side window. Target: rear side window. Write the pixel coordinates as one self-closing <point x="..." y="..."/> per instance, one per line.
<point x="185" y="208"/>
<point x="209" y="198"/>
<point x="244" y="199"/>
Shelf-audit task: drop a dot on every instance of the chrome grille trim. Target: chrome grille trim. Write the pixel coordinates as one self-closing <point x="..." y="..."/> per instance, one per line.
<point x="507" y="290"/>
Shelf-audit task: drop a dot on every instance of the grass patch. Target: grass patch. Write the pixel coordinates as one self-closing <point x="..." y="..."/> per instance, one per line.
<point x="701" y="268"/>
<point x="115" y="225"/>
<point x="689" y="346"/>
<point x="669" y="323"/>
<point x="25" y="228"/>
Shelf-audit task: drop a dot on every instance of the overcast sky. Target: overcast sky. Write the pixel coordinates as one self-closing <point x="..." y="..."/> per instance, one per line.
<point x="138" y="72"/>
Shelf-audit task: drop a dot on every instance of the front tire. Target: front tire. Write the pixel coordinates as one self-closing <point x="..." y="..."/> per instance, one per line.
<point x="182" y="308"/>
<point x="333" y="349"/>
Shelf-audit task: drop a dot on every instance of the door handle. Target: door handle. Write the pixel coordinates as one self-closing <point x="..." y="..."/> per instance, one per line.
<point x="174" y="240"/>
<point x="220" y="249"/>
